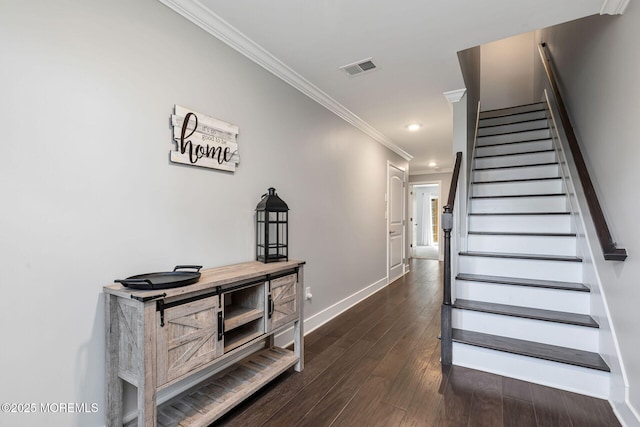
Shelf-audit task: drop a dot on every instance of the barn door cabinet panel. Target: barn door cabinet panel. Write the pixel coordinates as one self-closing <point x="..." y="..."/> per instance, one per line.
<point x="223" y="324"/>
<point x="187" y="339"/>
<point x="283" y="300"/>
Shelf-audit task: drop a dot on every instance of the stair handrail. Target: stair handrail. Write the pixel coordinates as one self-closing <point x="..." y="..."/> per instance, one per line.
<point x="609" y="248"/>
<point x="445" y="311"/>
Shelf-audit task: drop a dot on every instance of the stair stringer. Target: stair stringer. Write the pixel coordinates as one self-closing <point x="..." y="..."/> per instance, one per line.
<point x="596" y="270"/>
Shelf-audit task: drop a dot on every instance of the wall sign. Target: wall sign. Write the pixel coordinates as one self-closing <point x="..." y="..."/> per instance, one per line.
<point x="204" y="141"/>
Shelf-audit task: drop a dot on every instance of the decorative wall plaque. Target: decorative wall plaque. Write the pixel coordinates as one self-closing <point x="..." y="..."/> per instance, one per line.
<point x="204" y="141"/>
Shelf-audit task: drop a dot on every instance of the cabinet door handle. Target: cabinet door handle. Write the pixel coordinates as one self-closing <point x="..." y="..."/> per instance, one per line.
<point x="271" y="306"/>
<point x="220" y="326"/>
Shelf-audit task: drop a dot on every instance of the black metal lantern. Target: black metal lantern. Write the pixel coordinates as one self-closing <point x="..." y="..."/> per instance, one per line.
<point x="272" y="228"/>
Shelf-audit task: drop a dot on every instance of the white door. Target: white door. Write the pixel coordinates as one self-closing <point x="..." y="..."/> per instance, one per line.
<point x="413" y="222"/>
<point x="395" y="222"/>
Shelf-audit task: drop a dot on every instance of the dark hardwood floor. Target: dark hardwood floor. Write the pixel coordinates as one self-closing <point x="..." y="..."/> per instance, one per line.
<point x="378" y="365"/>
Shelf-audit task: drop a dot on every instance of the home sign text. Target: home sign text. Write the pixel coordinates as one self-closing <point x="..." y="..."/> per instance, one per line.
<point x="204" y="141"/>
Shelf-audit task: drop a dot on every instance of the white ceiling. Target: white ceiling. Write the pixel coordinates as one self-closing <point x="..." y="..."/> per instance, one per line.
<point x="413" y="42"/>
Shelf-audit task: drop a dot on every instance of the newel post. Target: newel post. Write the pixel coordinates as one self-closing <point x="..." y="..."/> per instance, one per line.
<point x="445" y="319"/>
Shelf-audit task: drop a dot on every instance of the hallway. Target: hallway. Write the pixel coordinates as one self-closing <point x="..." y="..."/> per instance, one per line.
<point x="378" y="365"/>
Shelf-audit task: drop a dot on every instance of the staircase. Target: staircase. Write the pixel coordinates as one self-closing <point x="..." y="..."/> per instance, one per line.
<point x="521" y="309"/>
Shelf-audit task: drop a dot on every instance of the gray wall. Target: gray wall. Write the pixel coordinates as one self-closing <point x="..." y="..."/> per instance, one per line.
<point x="599" y="71"/>
<point x="470" y="66"/>
<point x="507" y="72"/>
<point x="89" y="195"/>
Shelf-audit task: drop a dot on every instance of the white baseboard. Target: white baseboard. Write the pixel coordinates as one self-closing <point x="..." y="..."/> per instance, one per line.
<point x="313" y="322"/>
<point x="624" y="410"/>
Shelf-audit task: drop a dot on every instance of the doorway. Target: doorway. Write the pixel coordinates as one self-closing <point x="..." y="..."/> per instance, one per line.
<point x="425" y="220"/>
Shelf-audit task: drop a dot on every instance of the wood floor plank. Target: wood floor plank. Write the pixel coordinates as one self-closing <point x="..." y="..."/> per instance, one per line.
<point x="410" y="360"/>
<point x="458" y="395"/>
<point x="585" y="411"/>
<point x="517" y="389"/>
<point x="486" y="404"/>
<point x="518" y="413"/>
<point x="256" y="411"/>
<point x="549" y="406"/>
<point x="333" y="402"/>
<point x="305" y="401"/>
<point x="367" y="408"/>
<point x="425" y="405"/>
<point x="381" y="348"/>
<point x="402" y="349"/>
<point x="320" y="344"/>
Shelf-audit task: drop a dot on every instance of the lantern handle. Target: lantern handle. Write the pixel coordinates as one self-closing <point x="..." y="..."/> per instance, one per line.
<point x="271" y="192"/>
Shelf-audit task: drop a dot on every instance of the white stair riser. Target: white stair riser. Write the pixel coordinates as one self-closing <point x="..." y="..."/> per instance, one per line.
<point x="515" y="160"/>
<point x="520" y="204"/>
<point x="521" y="223"/>
<point x="524" y="296"/>
<point x="519" y="147"/>
<point x="540" y="245"/>
<point x="553" y="333"/>
<point x="562" y="271"/>
<point x="513" y="137"/>
<point x="526" y="172"/>
<point x="558" y="375"/>
<point x="512" y="110"/>
<point x="550" y="186"/>
<point x="513" y="127"/>
<point x="534" y="115"/>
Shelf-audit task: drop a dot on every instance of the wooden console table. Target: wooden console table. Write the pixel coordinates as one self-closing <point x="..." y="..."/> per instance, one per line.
<point x="223" y="326"/>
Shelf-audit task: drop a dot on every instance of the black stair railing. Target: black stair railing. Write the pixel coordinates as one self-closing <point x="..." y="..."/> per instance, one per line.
<point x="446" y="344"/>
<point x="609" y="249"/>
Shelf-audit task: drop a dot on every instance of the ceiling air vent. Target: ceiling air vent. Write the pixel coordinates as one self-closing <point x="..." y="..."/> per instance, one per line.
<point x="359" y="67"/>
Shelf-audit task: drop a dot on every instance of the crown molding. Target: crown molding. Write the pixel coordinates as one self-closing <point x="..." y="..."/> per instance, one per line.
<point x="429" y="171"/>
<point x="195" y="12"/>
<point x="614" y="7"/>
<point x="454" y="96"/>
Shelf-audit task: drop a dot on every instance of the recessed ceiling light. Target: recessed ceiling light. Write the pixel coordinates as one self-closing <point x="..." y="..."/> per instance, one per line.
<point x="414" y="127"/>
<point x="432" y="164"/>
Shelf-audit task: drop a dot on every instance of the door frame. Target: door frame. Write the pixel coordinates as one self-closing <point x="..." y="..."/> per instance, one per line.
<point x="405" y="269"/>
<point x="412" y="200"/>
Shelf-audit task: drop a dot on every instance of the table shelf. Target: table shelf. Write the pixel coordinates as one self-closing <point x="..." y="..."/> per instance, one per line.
<point x="213" y="398"/>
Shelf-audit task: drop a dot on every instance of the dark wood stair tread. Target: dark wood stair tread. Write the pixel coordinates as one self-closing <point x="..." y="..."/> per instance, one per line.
<point x="495" y="144"/>
<point x="516" y="121"/>
<point x="517" y="281"/>
<point x="554" y="353"/>
<point x="508" y="196"/>
<point x="506" y="181"/>
<point x="513" y="132"/>
<point x="527" y="312"/>
<point x="515" y="154"/>
<point x="522" y="256"/>
<point x="493" y="110"/>
<point x="528" y="165"/>
<point x="517" y="213"/>
<point x="509" y="233"/>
